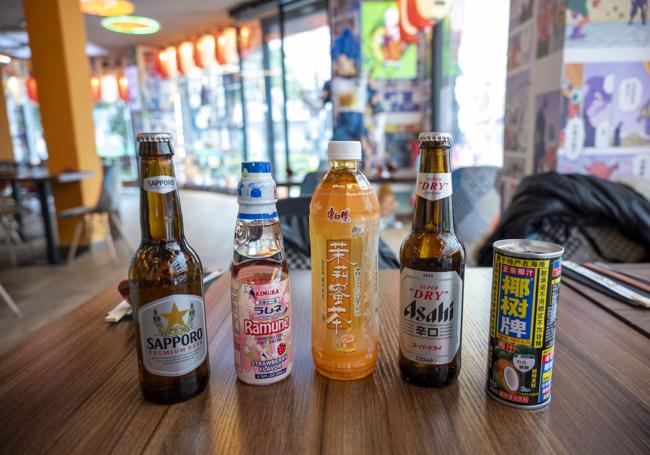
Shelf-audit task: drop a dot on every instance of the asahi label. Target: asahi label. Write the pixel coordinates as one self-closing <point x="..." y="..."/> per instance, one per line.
<point x="159" y="184"/>
<point x="172" y="334"/>
<point x="434" y="186"/>
<point x="431" y="309"/>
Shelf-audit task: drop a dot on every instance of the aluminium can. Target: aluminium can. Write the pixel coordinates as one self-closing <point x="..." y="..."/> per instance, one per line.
<point x="525" y="290"/>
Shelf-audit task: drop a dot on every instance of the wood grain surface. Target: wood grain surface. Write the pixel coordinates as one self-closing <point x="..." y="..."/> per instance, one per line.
<point x="636" y="317"/>
<point x="72" y="388"/>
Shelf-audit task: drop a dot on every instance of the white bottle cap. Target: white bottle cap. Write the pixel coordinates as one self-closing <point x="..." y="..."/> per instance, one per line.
<point x="344" y="150"/>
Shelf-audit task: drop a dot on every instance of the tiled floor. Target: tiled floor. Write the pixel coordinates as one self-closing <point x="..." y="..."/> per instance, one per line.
<point x="45" y="293"/>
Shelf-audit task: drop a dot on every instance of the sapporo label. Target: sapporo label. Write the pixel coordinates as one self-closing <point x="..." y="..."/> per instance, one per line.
<point x="159" y="184"/>
<point x="262" y="330"/>
<point x="173" y="335"/>
<point x="522" y="328"/>
<point x="431" y="309"/>
<point x="433" y="186"/>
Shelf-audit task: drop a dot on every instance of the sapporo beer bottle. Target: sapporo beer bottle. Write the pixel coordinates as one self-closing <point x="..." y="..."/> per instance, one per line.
<point x="432" y="273"/>
<point x="165" y="284"/>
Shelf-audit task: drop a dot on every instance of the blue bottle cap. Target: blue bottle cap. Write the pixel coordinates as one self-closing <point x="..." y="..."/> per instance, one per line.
<point x="256" y="167"/>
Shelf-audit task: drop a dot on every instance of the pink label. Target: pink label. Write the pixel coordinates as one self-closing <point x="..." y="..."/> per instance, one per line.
<point x="261" y="316"/>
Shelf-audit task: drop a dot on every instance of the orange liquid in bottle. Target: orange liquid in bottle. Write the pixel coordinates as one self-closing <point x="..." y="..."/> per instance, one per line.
<point x="344" y="234"/>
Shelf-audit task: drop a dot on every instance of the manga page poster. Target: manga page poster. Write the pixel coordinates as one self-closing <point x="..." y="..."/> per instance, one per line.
<point x="516" y="122"/>
<point x="550" y="27"/>
<point x="605" y="118"/>
<point x="547" y="131"/>
<point x="385" y="55"/>
<point x="519" y="48"/>
<point x="606" y="23"/>
<point x="520" y="12"/>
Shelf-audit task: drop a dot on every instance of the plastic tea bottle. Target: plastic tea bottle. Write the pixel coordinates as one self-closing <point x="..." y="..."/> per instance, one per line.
<point x="261" y="302"/>
<point x="344" y="235"/>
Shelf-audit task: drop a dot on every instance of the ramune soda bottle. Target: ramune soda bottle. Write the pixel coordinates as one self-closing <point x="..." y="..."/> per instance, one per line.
<point x="261" y="301"/>
<point x="344" y="236"/>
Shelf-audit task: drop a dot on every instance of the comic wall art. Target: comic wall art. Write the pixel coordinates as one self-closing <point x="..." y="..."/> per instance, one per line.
<point x="520" y="12"/>
<point x="607" y="23"/>
<point x="519" y="48"/>
<point x="516" y="122"/>
<point x="385" y="55"/>
<point x="550" y="27"/>
<point x="614" y="166"/>
<point x="547" y="131"/>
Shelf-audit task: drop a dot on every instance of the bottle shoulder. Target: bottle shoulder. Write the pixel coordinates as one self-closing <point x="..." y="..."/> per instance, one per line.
<point x="432" y="250"/>
<point x="163" y="259"/>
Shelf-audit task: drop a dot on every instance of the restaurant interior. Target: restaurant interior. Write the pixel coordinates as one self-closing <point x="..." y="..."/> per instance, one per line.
<point x="547" y="106"/>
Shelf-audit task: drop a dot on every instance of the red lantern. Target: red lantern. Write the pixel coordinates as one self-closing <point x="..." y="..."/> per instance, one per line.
<point x="244" y="39"/>
<point x="221" y="49"/>
<point x="161" y="63"/>
<point x="95" y="89"/>
<point x="204" y="51"/>
<point x="185" y="57"/>
<point x="32" y="92"/>
<point x="123" y="87"/>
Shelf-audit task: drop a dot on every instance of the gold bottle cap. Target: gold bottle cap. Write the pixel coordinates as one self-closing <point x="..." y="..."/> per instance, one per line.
<point x="437" y="138"/>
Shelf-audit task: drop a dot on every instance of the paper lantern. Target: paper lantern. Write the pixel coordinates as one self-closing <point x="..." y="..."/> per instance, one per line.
<point x="408" y="32"/>
<point x="16" y="89"/>
<point x="95" y="89"/>
<point x="244" y="39"/>
<point x="228" y="45"/>
<point x="166" y="62"/>
<point x="123" y="87"/>
<point x="185" y="57"/>
<point x="108" y="87"/>
<point x="32" y="91"/>
<point x="205" y="51"/>
<point x="220" y="53"/>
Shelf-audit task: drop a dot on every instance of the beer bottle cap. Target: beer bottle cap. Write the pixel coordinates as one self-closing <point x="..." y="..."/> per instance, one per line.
<point x="436" y="138"/>
<point x="344" y="150"/>
<point x="154" y="137"/>
<point x="155" y="144"/>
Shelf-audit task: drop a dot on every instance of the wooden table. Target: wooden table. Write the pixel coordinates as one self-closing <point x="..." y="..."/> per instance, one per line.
<point x="43" y="181"/>
<point x="72" y="388"/>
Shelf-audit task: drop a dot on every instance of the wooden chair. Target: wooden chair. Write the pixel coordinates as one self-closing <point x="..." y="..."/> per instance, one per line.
<point x="101" y="217"/>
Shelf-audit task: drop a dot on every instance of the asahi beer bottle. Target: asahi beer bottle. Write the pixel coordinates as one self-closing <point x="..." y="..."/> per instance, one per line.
<point x="432" y="272"/>
<point x="165" y="284"/>
<point x="261" y="296"/>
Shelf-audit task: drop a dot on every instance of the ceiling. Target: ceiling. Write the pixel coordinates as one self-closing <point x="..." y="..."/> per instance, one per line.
<point x="178" y="19"/>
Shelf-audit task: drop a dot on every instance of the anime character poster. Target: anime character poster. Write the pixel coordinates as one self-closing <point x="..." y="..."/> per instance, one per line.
<point x="605" y="105"/>
<point x="550" y="27"/>
<point x="607" y="23"/>
<point x="516" y="122"/>
<point x="385" y="55"/>
<point x="519" y="48"/>
<point x="547" y="131"/>
<point x="520" y="12"/>
<point x="617" y="166"/>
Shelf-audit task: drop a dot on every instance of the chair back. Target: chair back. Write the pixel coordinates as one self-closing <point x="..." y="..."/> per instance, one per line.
<point x="310" y="182"/>
<point x="111" y="193"/>
<point x="476" y="201"/>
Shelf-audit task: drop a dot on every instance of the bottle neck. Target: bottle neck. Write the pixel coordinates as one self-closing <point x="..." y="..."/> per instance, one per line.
<point x="160" y="208"/>
<point x="336" y="165"/>
<point x="433" y="210"/>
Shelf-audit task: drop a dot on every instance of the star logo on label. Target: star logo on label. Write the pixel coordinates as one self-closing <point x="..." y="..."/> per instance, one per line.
<point x="175" y="317"/>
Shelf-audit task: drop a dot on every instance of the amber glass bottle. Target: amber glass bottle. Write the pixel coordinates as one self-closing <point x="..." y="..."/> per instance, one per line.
<point x="432" y="273"/>
<point x="165" y="284"/>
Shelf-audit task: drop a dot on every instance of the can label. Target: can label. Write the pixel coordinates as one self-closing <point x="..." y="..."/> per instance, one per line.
<point x="431" y="309"/>
<point x="522" y="328"/>
<point x="172" y="334"/>
<point x="262" y="330"/>
<point x="434" y="186"/>
<point x="159" y="184"/>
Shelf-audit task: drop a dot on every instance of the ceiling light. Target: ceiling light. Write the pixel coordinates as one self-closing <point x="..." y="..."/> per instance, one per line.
<point x="106" y="7"/>
<point x="5" y="59"/>
<point x="131" y="25"/>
